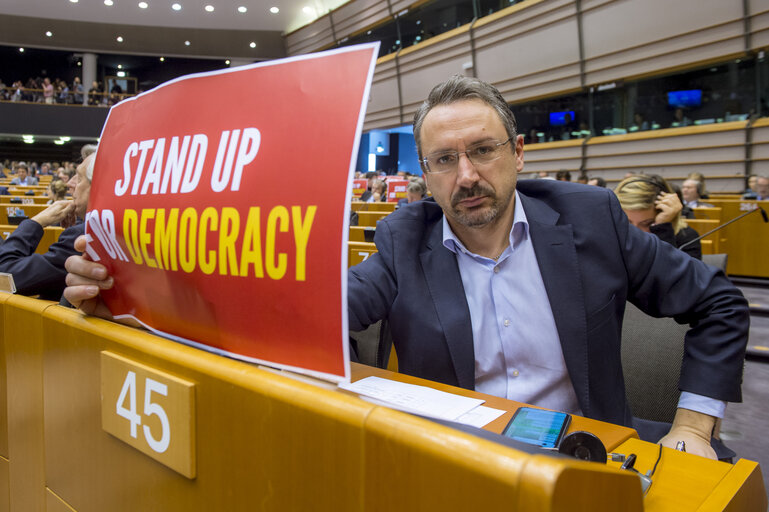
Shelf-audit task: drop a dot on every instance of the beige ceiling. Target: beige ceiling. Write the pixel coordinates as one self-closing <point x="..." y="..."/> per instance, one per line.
<point x="90" y="25"/>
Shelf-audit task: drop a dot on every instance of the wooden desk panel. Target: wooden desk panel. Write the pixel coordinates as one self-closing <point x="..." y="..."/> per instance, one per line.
<point x="359" y="251"/>
<point x="30" y="210"/>
<point x="746" y="241"/>
<point x="370" y="218"/>
<point x="50" y="236"/>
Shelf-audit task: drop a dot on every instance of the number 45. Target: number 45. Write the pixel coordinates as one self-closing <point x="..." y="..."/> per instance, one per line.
<point x="130" y="413"/>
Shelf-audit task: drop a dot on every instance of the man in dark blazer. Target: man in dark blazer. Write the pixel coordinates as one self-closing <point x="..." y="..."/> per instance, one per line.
<point x="423" y="279"/>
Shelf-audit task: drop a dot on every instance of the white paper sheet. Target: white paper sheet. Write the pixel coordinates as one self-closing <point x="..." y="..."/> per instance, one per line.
<point x="413" y="398"/>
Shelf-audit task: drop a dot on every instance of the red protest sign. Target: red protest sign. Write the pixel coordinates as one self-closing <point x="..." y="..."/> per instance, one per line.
<point x="206" y="208"/>
<point x="359" y="187"/>
<point x="396" y="190"/>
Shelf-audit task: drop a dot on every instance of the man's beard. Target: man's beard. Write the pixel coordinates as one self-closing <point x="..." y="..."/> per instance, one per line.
<point x="479" y="215"/>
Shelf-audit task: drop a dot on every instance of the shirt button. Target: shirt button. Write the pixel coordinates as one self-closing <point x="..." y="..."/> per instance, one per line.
<point x="515" y="373"/>
<point x="496" y="269"/>
<point x="507" y="322"/>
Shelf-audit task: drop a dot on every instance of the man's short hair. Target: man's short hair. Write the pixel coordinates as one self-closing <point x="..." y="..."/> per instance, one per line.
<point x="417" y="187"/>
<point x="458" y="88"/>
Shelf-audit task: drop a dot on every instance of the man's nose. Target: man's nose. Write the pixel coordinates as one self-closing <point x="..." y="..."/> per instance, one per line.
<point x="467" y="173"/>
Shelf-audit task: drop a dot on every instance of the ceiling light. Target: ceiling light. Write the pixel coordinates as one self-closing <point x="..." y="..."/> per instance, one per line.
<point x="29" y="141"/>
<point x="143" y="5"/>
<point x="27" y="136"/>
<point x="120" y="66"/>
<point x="227" y="62"/>
<point x="162" y="59"/>
<point x="73" y="1"/>
<point x="274" y="10"/>
<point x="209" y="8"/>
<point x="176" y="7"/>
<point x="59" y="142"/>
<point x="119" y="39"/>
<point x="308" y="10"/>
<point x="108" y="3"/>
<point x="79" y="63"/>
<point x="66" y="139"/>
<point x="121" y="74"/>
<point x="186" y="43"/>
<point x="242" y="9"/>
<point x="21" y="50"/>
<point x="252" y="45"/>
<point x="49" y="33"/>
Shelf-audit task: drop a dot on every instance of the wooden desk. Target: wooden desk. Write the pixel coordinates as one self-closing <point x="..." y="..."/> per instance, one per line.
<point x="30" y="210"/>
<point x="50" y="236"/>
<point x="682" y="481"/>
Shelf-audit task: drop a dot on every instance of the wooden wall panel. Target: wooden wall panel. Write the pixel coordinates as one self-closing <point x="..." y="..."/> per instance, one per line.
<point x="759" y="24"/>
<point x="357" y="15"/>
<point x="421" y="70"/>
<point x="311" y="37"/>
<point x="383" y="109"/>
<point x="626" y="38"/>
<point x="552" y="156"/>
<point x="530" y="52"/>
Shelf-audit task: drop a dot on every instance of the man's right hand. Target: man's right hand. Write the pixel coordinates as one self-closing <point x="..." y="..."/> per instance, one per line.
<point x="85" y="279"/>
<point x="55" y="213"/>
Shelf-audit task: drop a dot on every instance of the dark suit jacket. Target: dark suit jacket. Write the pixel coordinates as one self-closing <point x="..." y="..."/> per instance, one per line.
<point x="591" y="259"/>
<point x="38" y="274"/>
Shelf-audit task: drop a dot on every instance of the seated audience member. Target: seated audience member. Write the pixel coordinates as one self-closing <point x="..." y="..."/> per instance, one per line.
<point x="597" y="182"/>
<point x="563" y="176"/>
<point x="680" y="119"/>
<point x="57" y="191"/>
<point x="556" y="261"/>
<point x="762" y="188"/>
<point x="652" y="206"/>
<point x="44" y="274"/>
<point x="378" y="191"/>
<point x="686" y="212"/>
<point x="582" y="178"/>
<point x="415" y="191"/>
<point x="366" y="196"/>
<point x="692" y="191"/>
<point x="23" y="177"/>
<point x="4" y="191"/>
<point x="698" y="176"/>
<point x="750" y="192"/>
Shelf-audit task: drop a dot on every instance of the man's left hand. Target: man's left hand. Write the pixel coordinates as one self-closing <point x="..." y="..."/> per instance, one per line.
<point x="694" y="429"/>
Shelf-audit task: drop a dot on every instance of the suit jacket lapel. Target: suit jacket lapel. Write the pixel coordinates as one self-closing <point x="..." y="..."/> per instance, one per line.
<point x="445" y="285"/>
<point x="557" y="260"/>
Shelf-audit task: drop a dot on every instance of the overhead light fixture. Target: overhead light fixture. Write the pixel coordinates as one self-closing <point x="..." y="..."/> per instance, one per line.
<point x="143" y="5"/>
<point x="308" y="10"/>
<point x="242" y="9"/>
<point x="176" y="7"/>
<point x="73" y="1"/>
<point x="227" y="62"/>
<point x="209" y="8"/>
<point x="120" y="66"/>
<point x="162" y="59"/>
<point x="29" y="141"/>
<point x="274" y="10"/>
<point x="48" y="33"/>
<point x="108" y="3"/>
<point x="27" y="136"/>
<point x="186" y="43"/>
<point x="121" y="74"/>
<point x="21" y="50"/>
<point x="79" y="63"/>
<point x="119" y="39"/>
<point x="66" y="139"/>
<point x="379" y="148"/>
<point x="59" y="142"/>
<point x="253" y="44"/>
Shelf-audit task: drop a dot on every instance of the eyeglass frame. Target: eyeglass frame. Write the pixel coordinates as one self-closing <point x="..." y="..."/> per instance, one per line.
<point x="426" y="166"/>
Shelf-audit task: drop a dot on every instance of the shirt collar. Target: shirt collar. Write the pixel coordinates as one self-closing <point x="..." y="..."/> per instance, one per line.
<point x="518" y="233"/>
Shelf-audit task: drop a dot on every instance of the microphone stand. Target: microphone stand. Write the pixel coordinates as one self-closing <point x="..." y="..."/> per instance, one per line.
<point x="758" y="208"/>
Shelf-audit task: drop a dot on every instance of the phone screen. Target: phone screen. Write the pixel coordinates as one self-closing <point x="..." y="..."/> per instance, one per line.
<point x="538" y="427"/>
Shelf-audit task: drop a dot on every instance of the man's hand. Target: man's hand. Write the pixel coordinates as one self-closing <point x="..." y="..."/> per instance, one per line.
<point x="694" y="429"/>
<point x="669" y="206"/>
<point x="85" y="279"/>
<point x="55" y="213"/>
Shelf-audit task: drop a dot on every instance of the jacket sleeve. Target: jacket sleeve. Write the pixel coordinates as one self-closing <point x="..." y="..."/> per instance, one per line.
<point x="663" y="281"/>
<point x="33" y="273"/>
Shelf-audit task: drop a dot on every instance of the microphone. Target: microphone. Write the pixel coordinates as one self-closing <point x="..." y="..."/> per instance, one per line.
<point x="757" y="209"/>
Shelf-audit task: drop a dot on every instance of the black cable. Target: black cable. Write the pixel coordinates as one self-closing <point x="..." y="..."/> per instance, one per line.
<point x="659" y="456"/>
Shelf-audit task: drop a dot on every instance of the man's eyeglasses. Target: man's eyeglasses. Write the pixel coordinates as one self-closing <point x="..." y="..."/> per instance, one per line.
<point x="478" y="154"/>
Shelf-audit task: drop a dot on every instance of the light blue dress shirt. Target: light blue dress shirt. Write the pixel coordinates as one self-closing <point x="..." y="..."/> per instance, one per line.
<point x="518" y="352"/>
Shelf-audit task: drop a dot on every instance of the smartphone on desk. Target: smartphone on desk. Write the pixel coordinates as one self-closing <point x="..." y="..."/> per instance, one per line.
<point x="538" y="426"/>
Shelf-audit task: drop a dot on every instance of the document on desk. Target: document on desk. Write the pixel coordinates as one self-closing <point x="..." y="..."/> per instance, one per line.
<point x="413" y="398"/>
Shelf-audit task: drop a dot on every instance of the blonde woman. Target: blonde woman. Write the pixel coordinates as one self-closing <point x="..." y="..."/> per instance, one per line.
<point x="652" y="206"/>
<point x="57" y="191"/>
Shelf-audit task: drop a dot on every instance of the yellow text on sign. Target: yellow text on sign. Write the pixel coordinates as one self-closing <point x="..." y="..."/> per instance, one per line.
<point x="150" y="410"/>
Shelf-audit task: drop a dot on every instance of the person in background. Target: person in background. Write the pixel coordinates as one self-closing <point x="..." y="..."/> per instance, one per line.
<point x="367" y="195"/>
<point x="652" y="206"/>
<point x="23" y="177"/>
<point x="44" y="274"/>
<point x="582" y="178"/>
<point x="48" y="91"/>
<point x="57" y="191"/>
<point x="77" y="90"/>
<point x="415" y="191"/>
<point x="692" y="192"/>
<point x="679" y="119"/>
<point x="597" y="182"/>
<point x="378" y="191"/>
<point x="762" y="188"/>
<point x="563" y="175"/>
